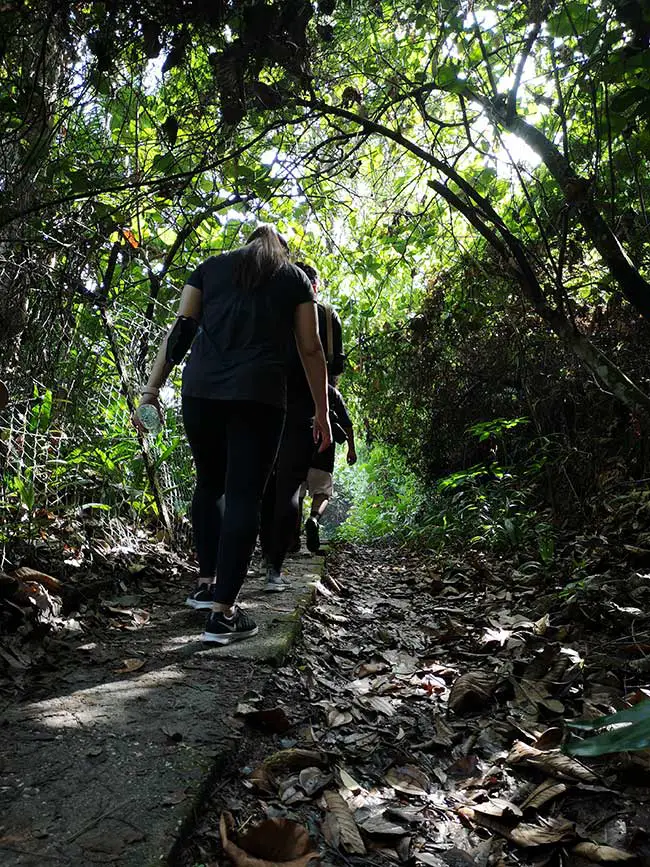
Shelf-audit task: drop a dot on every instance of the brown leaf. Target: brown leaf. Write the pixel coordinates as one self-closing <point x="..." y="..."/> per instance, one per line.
<point x="408" y="779"/>
<point x="337" y="718"/>
<point x="342" y="826"/>
<point x="273" y="719"/>
<point x="174" y="798"/>
<point x="550" y="739"/>
<point x="544" y="793"/>
<point x="313" y="780"/>
<point x="557" y="830"/>
<point x="268" y="844"/>
<point x="285" y="761"/>
<point x="377" y="824"/>
<point x="500" y="809"/>
<point x="553" y="762"/>
<point x="130" y="665"/>
<point x="377" y="703"/>
<point x="471" y="691"/>
<point x="348" y="781"/>
<point x="366" y="669"/>
<point x="601" y="854"/>
<point x="24" y="573"/>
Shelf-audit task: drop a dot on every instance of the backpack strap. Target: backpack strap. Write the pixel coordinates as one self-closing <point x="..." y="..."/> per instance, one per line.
<point x="329" y="332"/>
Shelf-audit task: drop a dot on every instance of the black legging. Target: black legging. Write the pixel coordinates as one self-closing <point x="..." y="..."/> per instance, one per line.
<point x="280" y="506"/>
<point x="234" y="443"/>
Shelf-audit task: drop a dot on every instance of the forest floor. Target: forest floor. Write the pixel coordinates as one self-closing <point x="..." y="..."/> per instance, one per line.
<point x="418" y="720"/>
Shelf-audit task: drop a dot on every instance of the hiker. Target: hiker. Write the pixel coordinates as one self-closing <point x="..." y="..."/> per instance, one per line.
<point x="239" y="311"/>
<point x="280" y="515"/>
<point x="319" y="483"/>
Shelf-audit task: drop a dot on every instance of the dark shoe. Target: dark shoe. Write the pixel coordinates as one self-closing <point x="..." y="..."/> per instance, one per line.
<point x="222" y="630"/>
<point x="201" y="598"/>
<point x="312" y="534"/>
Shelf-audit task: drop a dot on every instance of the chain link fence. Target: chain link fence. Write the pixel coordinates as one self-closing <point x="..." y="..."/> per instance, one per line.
<point x="66" y="440"/>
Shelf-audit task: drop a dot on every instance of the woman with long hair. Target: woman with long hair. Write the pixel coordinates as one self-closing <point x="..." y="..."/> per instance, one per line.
<point x="239" y="311"/>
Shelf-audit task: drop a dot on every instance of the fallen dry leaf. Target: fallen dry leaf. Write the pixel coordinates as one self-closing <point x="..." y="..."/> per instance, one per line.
<point x="601" y="854"/>
<point x="408" y="779"/>
<point x="339" y="827"/>
<point x="348" y="781"/>
<point x="273" y="719"/>
<point x="268" y="844"/>
<point x="471" y="691"/>
<point x="174" y="798"/>
<point x="500" y="809"/>
<point x="556" y="830"/>
<point x="366" y="669"/>
<point x="313" y="780"/>
<point x="337" y="718"/>
<point x="552" y="761"/>
<point x="24" y="573"/>
<point x="377" y="824"/>
<point x="376" y="703"/>
<point x="550" y="739"/>
<point x="544" y="793"/>
<point x="130" y="665"/>
<point x="265" y="776"/>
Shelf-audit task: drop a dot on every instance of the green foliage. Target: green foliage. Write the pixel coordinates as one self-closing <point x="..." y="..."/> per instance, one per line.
<point x="625" y="731"/>
<point x="491" y="509"/>
<point x="386" y="497"/>
<point x="376" y="137"/>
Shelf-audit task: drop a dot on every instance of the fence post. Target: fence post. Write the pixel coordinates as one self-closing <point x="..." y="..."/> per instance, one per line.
<point x="149" y="462"/>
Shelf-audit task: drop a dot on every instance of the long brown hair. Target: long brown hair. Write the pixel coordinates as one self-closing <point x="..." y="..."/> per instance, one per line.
<point x="265" y="251"/>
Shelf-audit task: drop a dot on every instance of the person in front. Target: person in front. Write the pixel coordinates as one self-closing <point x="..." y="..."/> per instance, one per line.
<point x="239" y="311"/>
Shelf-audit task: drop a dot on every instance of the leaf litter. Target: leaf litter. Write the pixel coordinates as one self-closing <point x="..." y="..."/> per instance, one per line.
<point x="427" y="715"/>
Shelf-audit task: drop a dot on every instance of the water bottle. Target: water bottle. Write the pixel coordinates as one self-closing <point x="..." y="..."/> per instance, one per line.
<point x="148" y="416"/>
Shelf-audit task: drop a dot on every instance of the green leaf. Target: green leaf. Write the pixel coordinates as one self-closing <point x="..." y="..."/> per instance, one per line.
<point x="163" y="163"/>
<point x="631" y="732"/>
<point x="626" y="98"/>
<point x="640" y="711"/>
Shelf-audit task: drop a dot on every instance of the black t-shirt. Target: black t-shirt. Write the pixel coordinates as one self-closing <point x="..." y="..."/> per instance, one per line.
<point x="240" y="349"/>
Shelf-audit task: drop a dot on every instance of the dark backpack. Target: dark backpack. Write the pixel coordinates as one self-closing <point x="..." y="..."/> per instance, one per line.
<point x="332" y="339"/>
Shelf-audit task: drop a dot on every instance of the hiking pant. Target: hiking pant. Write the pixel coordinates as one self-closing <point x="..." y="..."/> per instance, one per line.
<point x="280" y="506"/>
<point x="234" y="443"/>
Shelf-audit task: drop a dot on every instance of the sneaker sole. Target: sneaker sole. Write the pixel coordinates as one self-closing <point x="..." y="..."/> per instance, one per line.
<point x="227" y="637"/>
<point x="193" y="603"/>
<point x="275" y="588"/>
<point x="312" y="537"/>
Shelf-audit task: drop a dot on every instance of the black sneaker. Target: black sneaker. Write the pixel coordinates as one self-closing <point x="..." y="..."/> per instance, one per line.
<point x="222" y="630"/>
<point x="312" y="534"/>
<point x="201" y="598"/>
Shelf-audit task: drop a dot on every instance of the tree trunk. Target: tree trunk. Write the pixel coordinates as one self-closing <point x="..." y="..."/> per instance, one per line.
<point x="578" y="193"/>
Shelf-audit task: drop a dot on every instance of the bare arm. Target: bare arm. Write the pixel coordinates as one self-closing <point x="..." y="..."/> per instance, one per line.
<point x="352" y="451"/>
<point x="313" y="361"/>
